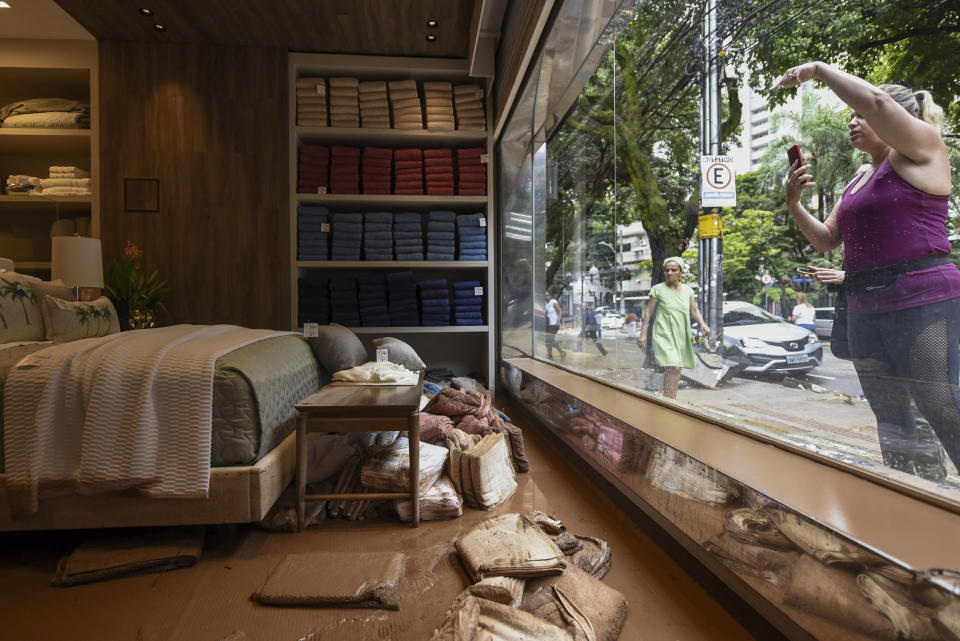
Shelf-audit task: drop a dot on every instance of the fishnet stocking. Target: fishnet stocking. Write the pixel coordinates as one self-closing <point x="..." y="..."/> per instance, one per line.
<point x="934" y="390"/>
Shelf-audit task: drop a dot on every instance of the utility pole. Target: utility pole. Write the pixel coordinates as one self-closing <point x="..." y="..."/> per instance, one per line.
<point x="710" y="261"/>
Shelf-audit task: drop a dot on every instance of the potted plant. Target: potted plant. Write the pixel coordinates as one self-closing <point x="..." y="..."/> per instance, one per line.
<point x="138" y="296"/>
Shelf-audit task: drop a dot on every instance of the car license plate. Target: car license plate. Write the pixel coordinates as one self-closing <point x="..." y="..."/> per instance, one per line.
<point x="796" y="358"/>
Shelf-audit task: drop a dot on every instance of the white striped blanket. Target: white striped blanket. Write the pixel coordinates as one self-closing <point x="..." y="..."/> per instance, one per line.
<point x="128" y="410"/>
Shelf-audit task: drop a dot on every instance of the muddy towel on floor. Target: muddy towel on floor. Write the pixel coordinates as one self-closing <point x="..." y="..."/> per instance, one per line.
<point x="556" y="530"/>
<point x="593" y="557"/>
<point x="509" y="545"/>
<point x="473" y="619"/>
<point x="439" y="502"/>
<point x="480" y="468"/>
<point x="574" y="597"/>
<point x="389" y="469"/>
<point x="359" y="580"/>
<point x="502" y="589"/>
<point x="110" y="558"/>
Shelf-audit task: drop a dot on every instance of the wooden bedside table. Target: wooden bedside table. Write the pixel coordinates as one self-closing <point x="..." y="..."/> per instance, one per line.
<point x="356" y="407"/>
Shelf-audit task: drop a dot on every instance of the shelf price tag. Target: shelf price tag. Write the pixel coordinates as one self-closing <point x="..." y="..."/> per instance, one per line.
<point x="478" y="291"/>
<point x="382" y="355"/>
<point x="483" y="159"/>
<point x="311" y="329"/>
<point x="321" y="89"/>
<point x="483" y="222"/>
<point x="322" y="191"/>
<point x="324" y="227"/>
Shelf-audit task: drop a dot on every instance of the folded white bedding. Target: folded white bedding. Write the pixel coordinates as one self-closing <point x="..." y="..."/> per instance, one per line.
<point x="378" y="373"/>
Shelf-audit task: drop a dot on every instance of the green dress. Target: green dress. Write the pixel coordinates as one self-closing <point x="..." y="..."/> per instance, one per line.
<point x="672" y="345"/>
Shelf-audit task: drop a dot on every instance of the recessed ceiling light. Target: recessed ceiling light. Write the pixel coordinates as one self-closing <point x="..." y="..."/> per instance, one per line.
<point x="431" y="38"/>
<point x="146" y="12"/>
<point x="432" y="23"/>
<point x="159" y="27"/>
<point x="4" y="5"/>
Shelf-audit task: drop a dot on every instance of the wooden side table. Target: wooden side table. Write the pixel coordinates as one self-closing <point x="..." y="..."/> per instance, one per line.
<point x="355" y="407"/>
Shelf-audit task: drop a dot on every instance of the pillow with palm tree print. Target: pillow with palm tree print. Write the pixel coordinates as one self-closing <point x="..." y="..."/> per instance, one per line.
<point x="20" y="316"/>
<point x="67" y="320"/>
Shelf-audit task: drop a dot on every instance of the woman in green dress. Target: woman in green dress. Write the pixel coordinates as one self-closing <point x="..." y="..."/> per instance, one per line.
<point x="672" y="343"/>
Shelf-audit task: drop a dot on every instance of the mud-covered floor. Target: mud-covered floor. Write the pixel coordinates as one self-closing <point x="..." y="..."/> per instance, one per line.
<point x="212" y="599"/>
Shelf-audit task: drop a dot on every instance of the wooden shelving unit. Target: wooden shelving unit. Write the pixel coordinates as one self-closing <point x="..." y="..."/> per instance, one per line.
<point x="464" y="349"/>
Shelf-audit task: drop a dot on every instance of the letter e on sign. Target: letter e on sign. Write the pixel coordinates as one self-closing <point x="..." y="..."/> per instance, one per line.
<point x="717" y="184"/>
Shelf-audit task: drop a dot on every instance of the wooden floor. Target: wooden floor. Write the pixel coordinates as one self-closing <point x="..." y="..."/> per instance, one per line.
<point x="211" y="600"/>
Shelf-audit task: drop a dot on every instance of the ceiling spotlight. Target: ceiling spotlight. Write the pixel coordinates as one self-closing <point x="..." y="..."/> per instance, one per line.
<point x="432" y="24"/>
<point x="431" y="38"/>
<point x="4" y="5"/>
<point x="159" y="27"/>
<point x="146" y="12"/>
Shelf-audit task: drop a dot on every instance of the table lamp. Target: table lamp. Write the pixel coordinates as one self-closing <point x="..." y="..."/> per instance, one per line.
<point x="77" y="261"/>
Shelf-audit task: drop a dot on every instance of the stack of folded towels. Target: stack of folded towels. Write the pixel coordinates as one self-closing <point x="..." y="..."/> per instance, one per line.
<point x="441" y="237"/>
<point x="374" y="111"/>
<point x="344" y="308"/>
<point x="344" y="102"/>
<point x="438" y="165"/>
<point x="344" y="170"/>
<point x="405" y="103"/>
<point x="372" y="299"/>
<point x="408" y="236"/>
<point x="439" y="99"/>
<point x="467" y="302"/>
<point x="347" y="236"/>
<point x="471" y="237"/>
<point x="471" y="172"/>
<point x="434" y="302"/>
<point x="313" y="232"/>
<point x="66" y="181"/>
<point x="376" y="170"/>
<point x="313" y="170"/>
<point x="378" y="235"/>
<point x="408" y="172"/>
<point x="314" y="304"/>
<point x="469" y="106"/>
<point x="311" y="102"/>
<point x="402" y="299"/>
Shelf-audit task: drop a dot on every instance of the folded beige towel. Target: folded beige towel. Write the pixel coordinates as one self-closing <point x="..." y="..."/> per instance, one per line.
<point x="471" y="619"/>
<point x="509" y="545"/>
<point x="578" y="603"/>
<point x="402" y="85"/>
<point x="344" y="82"/>
<point x="342" y="579"/>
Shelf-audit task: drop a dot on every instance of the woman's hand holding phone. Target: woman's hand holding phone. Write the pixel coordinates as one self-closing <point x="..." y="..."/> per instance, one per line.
<point x="798" y="179"/>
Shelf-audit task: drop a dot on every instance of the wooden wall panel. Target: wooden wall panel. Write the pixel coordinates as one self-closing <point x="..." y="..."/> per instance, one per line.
<point x="210" y="122"/>
<point x="522" y="27"/>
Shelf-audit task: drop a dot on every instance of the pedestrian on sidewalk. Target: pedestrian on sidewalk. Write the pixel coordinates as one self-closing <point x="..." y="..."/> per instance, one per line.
<point x="591" y="328"/>
<point x="902" y="289"/>
<point x="675" y="303"/>
<point x="803" y="314"/>
<point x="554" y="316"/>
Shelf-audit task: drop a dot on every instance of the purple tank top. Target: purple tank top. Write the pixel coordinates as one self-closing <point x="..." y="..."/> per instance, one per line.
<point x="889" y="221"/>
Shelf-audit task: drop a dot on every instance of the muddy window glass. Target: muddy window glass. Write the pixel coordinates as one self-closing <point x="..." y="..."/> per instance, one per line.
<point x="826" y="314"/>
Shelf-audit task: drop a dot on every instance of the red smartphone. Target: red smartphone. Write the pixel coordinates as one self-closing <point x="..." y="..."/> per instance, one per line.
<point x="794" y="155"/>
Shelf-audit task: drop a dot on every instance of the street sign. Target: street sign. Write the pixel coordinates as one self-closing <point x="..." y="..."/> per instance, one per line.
<point x="717" y="184"/>
<point x="766" y="279"/>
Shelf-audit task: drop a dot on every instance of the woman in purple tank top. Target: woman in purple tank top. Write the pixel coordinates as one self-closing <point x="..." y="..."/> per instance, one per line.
<point x="902" y="290"/>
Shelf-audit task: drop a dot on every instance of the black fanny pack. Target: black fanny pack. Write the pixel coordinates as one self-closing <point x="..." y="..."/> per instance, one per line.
<point x="869" y="281"/>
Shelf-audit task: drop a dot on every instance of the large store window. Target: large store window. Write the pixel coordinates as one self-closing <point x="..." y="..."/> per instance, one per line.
<point x="599" y="169"/>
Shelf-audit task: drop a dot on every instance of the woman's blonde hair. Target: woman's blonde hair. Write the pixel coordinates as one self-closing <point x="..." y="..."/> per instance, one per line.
<point x="918" y="104"/>
<point x="802" y="299"/>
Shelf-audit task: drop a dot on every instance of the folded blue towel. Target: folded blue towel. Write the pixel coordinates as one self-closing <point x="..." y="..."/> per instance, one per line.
<point x="313" y="209"/>
<point x="407" y="248"/>
<point x="433" y="323"/>
<point x="435" y="317"/>
<point x="440" y="235"/>
<point x="472" y="232"/>
<point x="436" y="256"/>
<point x="347" y="237"/>
<point x="407" y="217"/>
<point x="466" y="284"/>
<point x="345" y="256"/>
<point x="380" y="236"/>
<point x="459" y="315"/>
<point x="469" y="220"/>
<point x="404" y="276"/>
<point x="373" y="243"/>
<point x="347" y="228"/>
<point x="447" y="216"/>
<point x="468" y="321"/>
<point x="472" y="244"/>
<point x="368" y="227"/>
<point x="434" y="283"/>
<point x="472" y="257"/>
<point x="409" y="256"/>
<point x="407" y="227"/>
<point x="374" y="256"/>
<point x="408" y="235"/>
<point x="312" y="235"/>
<point x="341" y="217"/>
<point x="435" y="225"/>
<point x="314" y="257"/>
<point x="378" y="217"/>
<point x="434" y="295"/>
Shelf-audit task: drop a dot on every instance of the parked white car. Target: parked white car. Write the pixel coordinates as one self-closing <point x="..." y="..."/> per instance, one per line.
<point x="612" y="320"/>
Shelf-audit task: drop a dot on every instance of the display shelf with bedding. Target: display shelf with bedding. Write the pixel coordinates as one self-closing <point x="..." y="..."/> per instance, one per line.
<point x="49" y="148"/>
<point x="390" y="218"/>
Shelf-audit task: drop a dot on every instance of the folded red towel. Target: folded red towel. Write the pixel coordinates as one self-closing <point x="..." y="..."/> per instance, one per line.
<point x="408" y="164"/>
<point x="438" y="191"/>
<point x="470" y="152"/>
<point x="408" y="173"/>
<point x="376" y="184"/>
<point x="437" y="153"/>
<point x="439" y="177"/>
<point x="408" y="185"/>
<point x="340" y="150"/>
<point x="377" y="173"/>
<point x="408" y="192"/>
<point x="438" y="162"/>
<point x="344" y="190"/>
<point x="377" y="192"/>
<point x="473" y="192"/>
<point x="377" y="152"/>
<point x="407" y="154"/>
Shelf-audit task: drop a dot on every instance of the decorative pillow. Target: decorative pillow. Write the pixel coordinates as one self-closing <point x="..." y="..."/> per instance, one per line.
<point x="20" y="315"/>
<point x="337" y="348"/>
<point x="56" y="288"/>
<point x="401" y="353"/>
<point x="72" y="320"/>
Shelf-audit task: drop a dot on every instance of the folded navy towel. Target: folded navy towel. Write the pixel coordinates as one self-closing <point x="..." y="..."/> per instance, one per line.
<point x="381" y="236"/>
<point x="440" y="235"/>
<point x="473" y="244"/>
<point x="466" y="284"/>
<point x="378" y="244"/>
<point x="472" y="257"/>
<point x="468" y="321"/>
<point x="347" y="237"/>
<point x="408" y="235"/>
<point x="472" y="232"/>
<point x="407" y="217"/>
<point x="343" y="284"/>
<point x="434" y="295"/>
<point x="435" y="225"/>
<point x="436" y="256"/>
<point x="434" y="283"/>
<point x="434" y="316"/>
<point x="463" y="315"/>
<point x="447" y="216"/>
<point x="417" y="227"/>
<point x="375" y="256"/>
<point x="313" y="235"/>
<point x="433" y="323"/>
<point x="310" y="226"/>
<point x="341" y="217"/>
<point x="400" y="276"/>
<point x="469" y="220"/>
<point x="378" y="217"/>
<point x="347" y="227"/>
<point x="345" y="255"/>
<point x="368" y="227"/>
<point x="409" y="256"/>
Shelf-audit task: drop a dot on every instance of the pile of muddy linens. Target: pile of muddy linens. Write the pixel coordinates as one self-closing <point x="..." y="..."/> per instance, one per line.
<point x="529" y="584"/>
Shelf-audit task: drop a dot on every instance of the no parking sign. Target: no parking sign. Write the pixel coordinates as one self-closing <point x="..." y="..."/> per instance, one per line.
<point x="717" y="185"/>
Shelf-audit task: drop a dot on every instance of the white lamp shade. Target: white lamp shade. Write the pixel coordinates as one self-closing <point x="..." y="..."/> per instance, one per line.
<point x="77" y="261"/>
